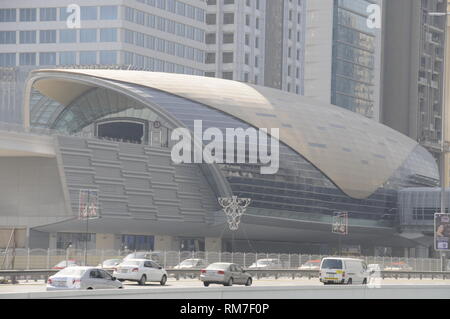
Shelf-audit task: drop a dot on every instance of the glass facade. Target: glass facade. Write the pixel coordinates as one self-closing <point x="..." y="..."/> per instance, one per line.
<point x="68" y="36"/>
<point x="165" y="46"/>
<point x="88" y="35"/>
<point x="75" y="240"/>
<point x="88" y="57"/>
<point x="163" y="24"/>
<point x="138" y="242"/>
<point x="67" y="58"/>
<point x="47" y="58"/>
<point x="298" y="186"/>
<point x="108" y="13"/>
<point x="354" y="54"/>
<point x="418" y="205"/>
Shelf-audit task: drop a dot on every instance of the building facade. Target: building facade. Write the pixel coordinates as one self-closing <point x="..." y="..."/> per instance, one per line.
<point x="257" y="41"/>
<point x="108" y="131"/>
<point x="413" y="77"/>
<point x="165" y="36"/>
<point x="344" y="55"/>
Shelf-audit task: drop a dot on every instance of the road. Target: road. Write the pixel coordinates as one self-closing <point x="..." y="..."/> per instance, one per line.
<point x="39" y="286"/>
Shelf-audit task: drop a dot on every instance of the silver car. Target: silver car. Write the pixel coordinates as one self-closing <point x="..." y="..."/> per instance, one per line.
<point x="192" y="264"/>
<point x="225" y="274"/>
<point x="80" y="278"/>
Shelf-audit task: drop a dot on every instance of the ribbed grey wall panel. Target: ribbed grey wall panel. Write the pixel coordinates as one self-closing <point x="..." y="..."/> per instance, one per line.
<point x="136" y="181"/>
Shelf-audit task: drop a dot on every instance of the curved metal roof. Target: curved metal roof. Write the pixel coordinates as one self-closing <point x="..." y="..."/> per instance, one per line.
<point x="357" y="154"/>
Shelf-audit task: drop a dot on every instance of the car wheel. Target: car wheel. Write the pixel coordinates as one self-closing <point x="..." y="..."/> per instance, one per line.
<point x="163" y="280"/>
<point x="229" y="283"/>
<point x="142" y="280"/>
<point x="206" y="284"/>
<point x="249" y="282"/>
<point x="90" y="288"/>
<point x="349" y="282"/>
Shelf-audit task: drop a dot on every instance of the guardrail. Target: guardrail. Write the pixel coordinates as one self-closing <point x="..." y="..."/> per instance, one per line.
<point x="47" y="258"/>
<point x="178" y="274"/>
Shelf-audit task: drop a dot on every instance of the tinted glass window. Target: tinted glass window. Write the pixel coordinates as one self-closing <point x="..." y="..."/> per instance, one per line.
<point x="105" y="275"/>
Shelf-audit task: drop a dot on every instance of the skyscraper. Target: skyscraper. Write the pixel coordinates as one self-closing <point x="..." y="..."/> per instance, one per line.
<point x="413" y="70"/>
<point x="157" y="35"/>
<point x="257" y="41"/>
<point x="344" y="55"/>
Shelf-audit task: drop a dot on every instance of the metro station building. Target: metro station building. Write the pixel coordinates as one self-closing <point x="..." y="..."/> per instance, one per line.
<point x="110" y="131"/>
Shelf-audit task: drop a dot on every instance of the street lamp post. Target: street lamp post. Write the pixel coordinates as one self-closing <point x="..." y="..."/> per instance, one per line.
<point x="444" y="146"/>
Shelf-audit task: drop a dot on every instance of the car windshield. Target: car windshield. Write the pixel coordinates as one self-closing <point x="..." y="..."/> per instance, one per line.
<point x="332" y="264"/>
<point x="264" y="262"/>
<point x="218" y="266"/>
<point x="71" y="271"/>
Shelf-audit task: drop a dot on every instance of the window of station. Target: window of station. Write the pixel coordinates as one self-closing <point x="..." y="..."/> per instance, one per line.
<point x="192" y="244"/>
<point x="125" y="131"/>
<point x="75" y="240"/>
<point x="138" y="242"/>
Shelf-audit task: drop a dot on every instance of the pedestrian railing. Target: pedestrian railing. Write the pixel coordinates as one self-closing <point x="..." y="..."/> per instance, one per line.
<point x="29" y="259"/>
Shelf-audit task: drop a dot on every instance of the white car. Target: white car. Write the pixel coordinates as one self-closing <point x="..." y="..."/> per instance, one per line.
<point x="192" y="263"/>
<point x="79" y="278"/>
<point x="311" y="265"/>
<point x="269" y="263"/>
<point x="373" y="268"/>
<point x="141" y="271"/>
<point x="398" y="266"/>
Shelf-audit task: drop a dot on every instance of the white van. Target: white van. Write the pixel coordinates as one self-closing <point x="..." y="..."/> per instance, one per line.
<point x="336" y="270"/>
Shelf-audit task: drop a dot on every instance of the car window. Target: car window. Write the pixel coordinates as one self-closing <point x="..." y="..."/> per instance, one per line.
<point x="148" y="264"/>
<point x="218" y="266"/>
<point x="239" y="268"/>
<point x="75" y="272"/>
<point x="94" y="273"/>
<point x="105" y="275"/>
<point x="154" y="265"/>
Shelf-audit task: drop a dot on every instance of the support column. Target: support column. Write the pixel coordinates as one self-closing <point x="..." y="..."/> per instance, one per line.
<point x="105" y="241"/>
<point x="421" y="252"/>
<point x="52" y="241"/>
<point x="213" y="244"/>
<point x="164" y="243"/>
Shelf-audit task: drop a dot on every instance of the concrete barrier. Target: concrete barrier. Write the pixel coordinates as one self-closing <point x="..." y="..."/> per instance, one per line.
<point x="303" y="292"/>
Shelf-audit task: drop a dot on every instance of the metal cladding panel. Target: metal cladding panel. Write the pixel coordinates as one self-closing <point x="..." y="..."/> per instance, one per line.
<point x="357" y="154"/>
<point x="141" y="192"/>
